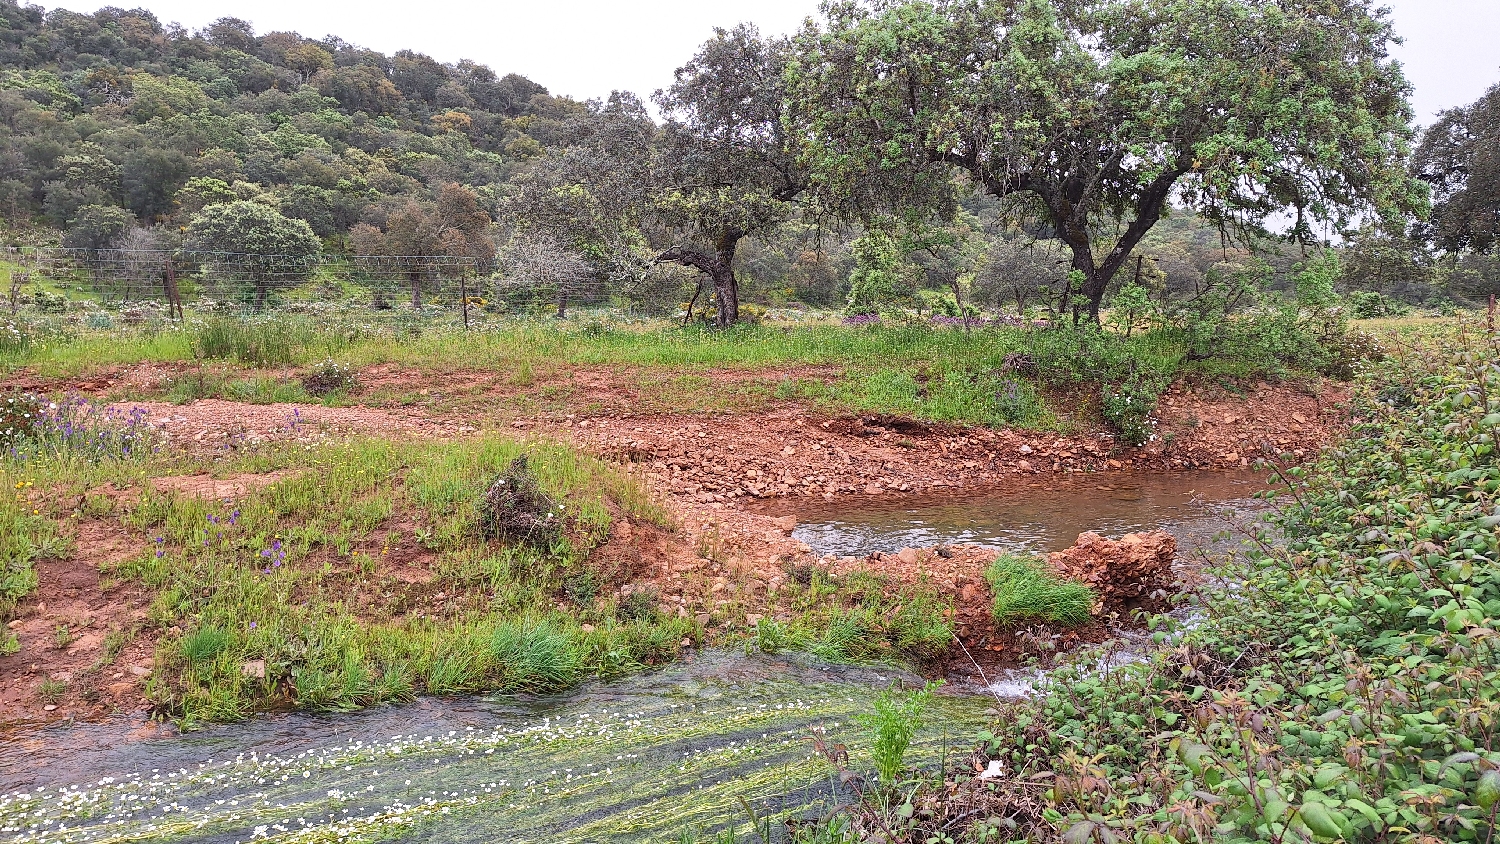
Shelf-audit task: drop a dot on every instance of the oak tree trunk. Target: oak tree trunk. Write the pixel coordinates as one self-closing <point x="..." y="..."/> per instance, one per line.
<point x="719" y="267"/>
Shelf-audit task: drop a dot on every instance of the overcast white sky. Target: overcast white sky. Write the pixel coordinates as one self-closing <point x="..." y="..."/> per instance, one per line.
<point x="585" y="48"/>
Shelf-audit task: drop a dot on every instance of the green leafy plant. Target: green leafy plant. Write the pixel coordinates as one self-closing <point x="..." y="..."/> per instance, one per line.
<point x="1129" y="404"/>
<point x="896" y="718"/>
<point x="51" y="691"/>
<point x="582" y="587"/>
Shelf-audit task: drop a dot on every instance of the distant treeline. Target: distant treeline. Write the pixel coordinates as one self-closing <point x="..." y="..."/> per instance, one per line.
<point x="120" y="132"/>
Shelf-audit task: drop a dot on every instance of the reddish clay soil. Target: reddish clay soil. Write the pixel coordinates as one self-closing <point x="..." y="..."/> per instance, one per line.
<point x="63" y="630"/>
<point x="214" y="425"/>
<point x="789" y="453"/>
<point x="734" y="483"/>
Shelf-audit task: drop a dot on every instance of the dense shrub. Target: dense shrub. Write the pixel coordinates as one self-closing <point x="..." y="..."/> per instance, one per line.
<point x="516" y="508"/>
<point x="1367" y="304"/>
<point x="1130" y="375"/>
<point x="328" y="378"/>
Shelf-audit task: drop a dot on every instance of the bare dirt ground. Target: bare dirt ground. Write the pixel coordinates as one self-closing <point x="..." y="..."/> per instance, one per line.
<point x="734" y="482"/>
<point x="789" y="453"/>
<point x="81" y="631"/>
<point x="210" y="425"/>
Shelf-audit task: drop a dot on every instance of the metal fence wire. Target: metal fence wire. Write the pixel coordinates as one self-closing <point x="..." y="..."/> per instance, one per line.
<point x="252" y="283"/>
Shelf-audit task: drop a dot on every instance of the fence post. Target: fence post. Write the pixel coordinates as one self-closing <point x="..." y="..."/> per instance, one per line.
<point x="463" y="287"/>
<point x="174" y="299"/>
<point x="18" y="276"/>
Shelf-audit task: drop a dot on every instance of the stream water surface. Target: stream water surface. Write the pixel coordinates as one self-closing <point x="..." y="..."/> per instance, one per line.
<point x="1034" y="521"/>
<point x="698" y="746"/>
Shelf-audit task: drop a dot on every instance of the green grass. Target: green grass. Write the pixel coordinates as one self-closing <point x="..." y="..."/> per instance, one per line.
<point x="219" y="385"/>
<point x="522" y="348"/>
<point x="310" y="575"/>
<point x="535" y="656"/>
<point x="25" y="537"/>
<point x="1025" y="592"/>
<point x="858" y="618"/>
<point x="203" y="645"/>
<point x="994" y="376"/>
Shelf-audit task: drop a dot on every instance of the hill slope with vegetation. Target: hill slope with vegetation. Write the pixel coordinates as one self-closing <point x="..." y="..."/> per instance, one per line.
<point x="113" y="119"/>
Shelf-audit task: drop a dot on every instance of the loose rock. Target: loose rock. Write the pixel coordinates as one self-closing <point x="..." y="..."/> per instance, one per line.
<point x="1119" y="572"/>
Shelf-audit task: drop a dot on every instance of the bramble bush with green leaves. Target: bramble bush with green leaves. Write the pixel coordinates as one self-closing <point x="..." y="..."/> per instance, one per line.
<point x="1342" y="684"/>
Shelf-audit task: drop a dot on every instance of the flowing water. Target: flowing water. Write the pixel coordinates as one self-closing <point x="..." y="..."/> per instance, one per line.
<point x="647" y="758"/>
<point x="696" y="747"/>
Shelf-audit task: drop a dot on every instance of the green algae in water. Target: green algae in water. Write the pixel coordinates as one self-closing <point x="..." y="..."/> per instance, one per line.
<point x="641" y="760"/>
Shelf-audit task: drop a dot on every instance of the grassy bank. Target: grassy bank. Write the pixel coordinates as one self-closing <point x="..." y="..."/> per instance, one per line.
<point x="992" y="375"/>
<point x="1343" y="688"/>
<point x="339" y="576"/>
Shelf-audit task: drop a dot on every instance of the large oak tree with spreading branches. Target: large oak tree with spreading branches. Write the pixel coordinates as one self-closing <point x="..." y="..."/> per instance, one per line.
<point x="1098" y="115"/>
<point x="1460" y="157"/>
<point x="726" y="166"/>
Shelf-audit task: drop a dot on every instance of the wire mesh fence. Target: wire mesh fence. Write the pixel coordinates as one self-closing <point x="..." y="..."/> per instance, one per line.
<point x="249" y="283"/>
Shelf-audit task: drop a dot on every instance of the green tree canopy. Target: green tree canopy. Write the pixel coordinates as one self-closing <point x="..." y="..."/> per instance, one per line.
<point x="725" y="164"/>
<point x="256" y="241"/>
<point x="1095" y="114"/>
<point x="1460" y="157"/>
<point x="97" y="227"/>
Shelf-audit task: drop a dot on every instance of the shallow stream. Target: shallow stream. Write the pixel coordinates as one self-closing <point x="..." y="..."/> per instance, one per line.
<point x="646" y="758"/>
<point x="1034" y="521"/>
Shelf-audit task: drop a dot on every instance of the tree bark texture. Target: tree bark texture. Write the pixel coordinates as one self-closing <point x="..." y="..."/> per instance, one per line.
<point x="719" y="267"/>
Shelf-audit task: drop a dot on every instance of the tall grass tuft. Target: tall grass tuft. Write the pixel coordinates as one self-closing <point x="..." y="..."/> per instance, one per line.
<point x="263" y="342"/>
<point x="459" y="668"/>
<point x="203" y="646"/>
<point x="535" y="656"/>
<point x="1026" y="591"/>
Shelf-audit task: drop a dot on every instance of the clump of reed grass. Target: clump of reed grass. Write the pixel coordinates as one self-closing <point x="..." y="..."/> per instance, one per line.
<point x="1025" y="591"/>
<point x="535" y="656"/>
